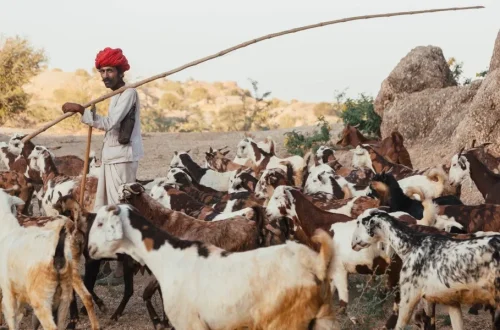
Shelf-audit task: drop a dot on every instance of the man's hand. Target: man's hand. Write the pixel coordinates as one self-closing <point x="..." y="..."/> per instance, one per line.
<point x="72" y="107"/>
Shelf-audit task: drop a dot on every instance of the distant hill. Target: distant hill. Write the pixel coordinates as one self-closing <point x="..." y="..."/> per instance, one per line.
<point x="167" y="105"/>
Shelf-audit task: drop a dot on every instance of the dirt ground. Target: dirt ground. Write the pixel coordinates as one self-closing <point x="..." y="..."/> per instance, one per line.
<point x="159" y="148"/>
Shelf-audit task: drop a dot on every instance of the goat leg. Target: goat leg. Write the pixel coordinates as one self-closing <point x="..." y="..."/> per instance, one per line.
<point x="166" y="321"/>
<point x="91" y="271"/>
<point x="128" y="277"/>
<point x="474" y="309"/>
<point x="148" y="293"/>
<point x="73" y="313"/>
<point x="457" y="322"/>
<point x="86" y="298"/>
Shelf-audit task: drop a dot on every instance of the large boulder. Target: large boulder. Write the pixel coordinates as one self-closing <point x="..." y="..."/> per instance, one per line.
<point x="482" y="121"/>
<point x="422" y="68"/>
<point x="495" y="58"/>
<point x="429" y="117"/>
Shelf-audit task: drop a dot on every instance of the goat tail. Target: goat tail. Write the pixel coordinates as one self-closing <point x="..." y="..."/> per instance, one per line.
<point x="410" y="191"/>
<point x="437" y="175"/>
<point x="325" y="319"/>
<point x="259" y="218"/>
<point x="59" y="255"/>
<point x="430" y="212"/>
<point x="272" y="146"/>
<point x="289" y="172"/>
<point x="322" y="238"/>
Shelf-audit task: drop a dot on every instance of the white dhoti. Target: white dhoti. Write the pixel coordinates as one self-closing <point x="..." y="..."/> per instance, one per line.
<point x="111" y="177"/>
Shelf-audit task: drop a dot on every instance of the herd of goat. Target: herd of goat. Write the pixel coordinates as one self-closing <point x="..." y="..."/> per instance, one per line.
<point x="257" y="242"/>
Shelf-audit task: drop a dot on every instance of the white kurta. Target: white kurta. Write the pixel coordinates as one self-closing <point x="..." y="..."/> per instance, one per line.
<point x="119" y="162"/>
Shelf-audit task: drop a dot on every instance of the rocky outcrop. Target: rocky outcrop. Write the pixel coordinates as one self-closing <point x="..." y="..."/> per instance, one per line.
<point x="422" y="68"/>
<point x="429" y="117"/>
<point x="482" y="120"/>
<point x="495" y="58"/>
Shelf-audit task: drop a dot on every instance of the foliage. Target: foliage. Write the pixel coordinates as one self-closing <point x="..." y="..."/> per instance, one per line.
<point x="361" y="112"/>
<point x="287" y="121"/>
<point x="199" y="94"/>
<point x="297" y="143"/>
<point x="230" y="118"/>
<point x="483" y="73"/>
<point x="173" y="86"/>
<point x="19" y="62"/>
<point x="195" y="121"/>
<point x="457" y="70"/>
<point x="170" y="102"/>
<point x="154" y="121"/>
<point x="254" y="112"/>
<point x="323" y="109"/>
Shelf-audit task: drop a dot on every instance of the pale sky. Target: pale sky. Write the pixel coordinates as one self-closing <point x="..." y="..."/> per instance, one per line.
<point x="157" y="36"/>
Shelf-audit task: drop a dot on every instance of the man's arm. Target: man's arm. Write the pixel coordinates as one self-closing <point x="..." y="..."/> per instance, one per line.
<point x="115" y="116"/>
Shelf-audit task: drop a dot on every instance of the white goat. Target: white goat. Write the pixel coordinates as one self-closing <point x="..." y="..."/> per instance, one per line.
<point x="268" y="288"/>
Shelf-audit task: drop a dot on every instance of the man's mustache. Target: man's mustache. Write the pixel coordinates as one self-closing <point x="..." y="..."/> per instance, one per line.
<point x="106" y="80"/>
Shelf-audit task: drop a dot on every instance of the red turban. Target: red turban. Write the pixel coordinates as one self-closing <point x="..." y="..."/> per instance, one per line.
<point x="111" y="57"/>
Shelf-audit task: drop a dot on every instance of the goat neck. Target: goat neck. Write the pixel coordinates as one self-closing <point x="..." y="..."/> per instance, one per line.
<point x="481" y="175"/>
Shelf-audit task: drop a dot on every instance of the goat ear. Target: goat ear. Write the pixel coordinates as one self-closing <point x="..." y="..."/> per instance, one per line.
<point x="211" y="150"/>
<point x="113" y="228"/>
<point x="225" y="153"/>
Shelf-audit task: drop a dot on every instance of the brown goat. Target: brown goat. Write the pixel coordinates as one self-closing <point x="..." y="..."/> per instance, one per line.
<point x="217" y="160"/>
<point x="392" y="147"/>
<point x="16" y="184"/>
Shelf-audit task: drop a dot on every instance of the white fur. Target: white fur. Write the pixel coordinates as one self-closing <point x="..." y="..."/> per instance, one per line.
<point x="212" y="179"/>
<point x="221" y="298"/>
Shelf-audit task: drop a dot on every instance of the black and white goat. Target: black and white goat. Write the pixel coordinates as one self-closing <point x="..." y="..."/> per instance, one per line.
<point x="436" y="268"/>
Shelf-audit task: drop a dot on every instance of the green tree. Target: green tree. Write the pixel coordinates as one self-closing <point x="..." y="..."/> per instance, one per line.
<point x="361" y="112"/>
<point x="19" y="62"/>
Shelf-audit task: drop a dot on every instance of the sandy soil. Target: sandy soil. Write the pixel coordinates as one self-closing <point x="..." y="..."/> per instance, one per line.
<point x="159" y="148"/>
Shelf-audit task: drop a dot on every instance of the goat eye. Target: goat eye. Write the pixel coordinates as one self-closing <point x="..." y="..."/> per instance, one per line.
<point x="99" y="225"/>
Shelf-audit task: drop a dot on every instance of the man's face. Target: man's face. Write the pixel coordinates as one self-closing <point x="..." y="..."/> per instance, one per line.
<point x="110" y="76"/>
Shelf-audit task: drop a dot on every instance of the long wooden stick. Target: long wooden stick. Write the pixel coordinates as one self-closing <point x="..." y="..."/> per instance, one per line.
<point x="228" y="50"/>
<point x="85" y="167"/>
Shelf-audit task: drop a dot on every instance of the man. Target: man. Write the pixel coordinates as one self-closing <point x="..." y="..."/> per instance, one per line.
<point x="119" y="161"/>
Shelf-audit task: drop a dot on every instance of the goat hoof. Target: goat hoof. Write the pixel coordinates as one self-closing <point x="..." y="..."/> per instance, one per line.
<point x="71" y="325"/>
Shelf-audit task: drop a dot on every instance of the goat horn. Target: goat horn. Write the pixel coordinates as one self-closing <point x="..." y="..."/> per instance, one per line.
<point x="473" y="143"/>
<point x="220" y="149"/>
<point x="356" y="126"/>
<point x="460" y="152"/>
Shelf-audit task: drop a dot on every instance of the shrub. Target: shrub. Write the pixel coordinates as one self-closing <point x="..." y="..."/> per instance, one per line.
<point x="173" y="86"/>
<point x="199" y="94"/>
<point x="287" y="121"/>
<point x="361" y="112"/>
<point x="169" y="101"/>
<point x="297" y="143"/>
<point x="323" y="109"/>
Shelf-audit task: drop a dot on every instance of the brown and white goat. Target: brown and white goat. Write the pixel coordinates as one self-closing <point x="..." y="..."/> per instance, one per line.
<point x="169" y="195"/>
<point x="466" y="165"/>
<point x="217" y="160"/>
<point x="290" y="277"/>
<point x="57" y="184"/>
<point x="247" y="148"/>
<point x="231" y="235"/>
<point x="392" y="147"/>
<point x="17" y="184"/>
